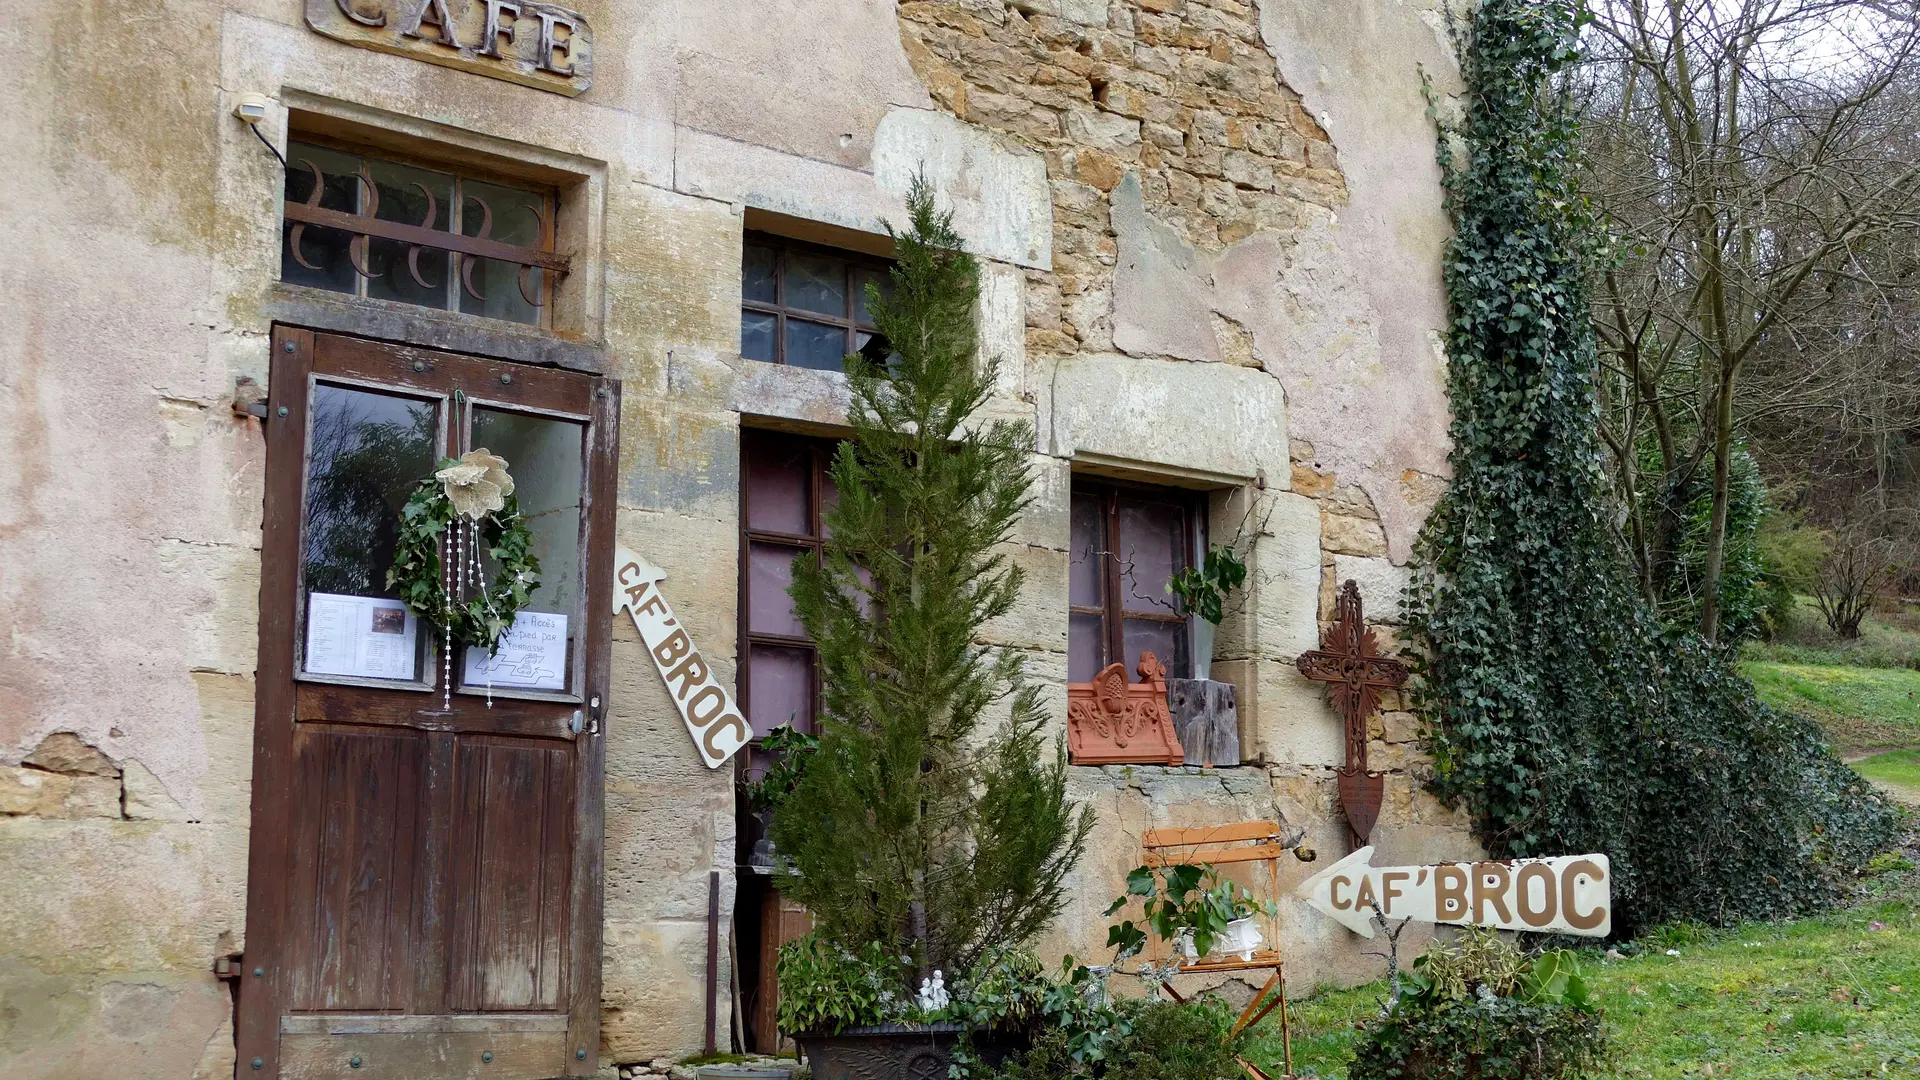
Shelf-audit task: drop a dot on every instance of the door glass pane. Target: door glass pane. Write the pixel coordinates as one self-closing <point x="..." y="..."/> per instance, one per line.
<point x="326" y="249"/>
<point x="779" y="688"/>
<point x="777" y="487"/>
<point x="756" y="336"/>
<point x="511" y="216"/>
<point x="1086" y="571"/>
<point x="1167" y="641"/>
<point x="769" y="608"/>
<point x="815" y="283"/>
<point x="1151" y="549"/>
<point x="1086" y="646"/>
<point x="545" y="457"/>
<point x="367" y="452"/>
<point x="815" y="345"/>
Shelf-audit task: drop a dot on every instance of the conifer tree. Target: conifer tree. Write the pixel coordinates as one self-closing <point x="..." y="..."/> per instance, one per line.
<point x="915" y="825"/>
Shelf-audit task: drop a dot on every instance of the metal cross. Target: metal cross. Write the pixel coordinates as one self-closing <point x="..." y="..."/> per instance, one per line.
<point x="1350" y="662"/>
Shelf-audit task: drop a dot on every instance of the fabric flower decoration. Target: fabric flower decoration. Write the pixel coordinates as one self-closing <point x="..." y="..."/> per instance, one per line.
<point x="477" y="484"/>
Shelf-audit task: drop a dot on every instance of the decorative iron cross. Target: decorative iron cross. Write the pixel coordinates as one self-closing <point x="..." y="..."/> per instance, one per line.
<point x="1350" y="662"/>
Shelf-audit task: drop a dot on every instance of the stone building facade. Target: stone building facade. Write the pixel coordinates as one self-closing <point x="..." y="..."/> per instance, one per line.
<point x="1210" y="233"/>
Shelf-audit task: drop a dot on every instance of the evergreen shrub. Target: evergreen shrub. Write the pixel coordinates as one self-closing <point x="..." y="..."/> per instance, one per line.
<point x="919" y="825"/>
<point x="1564" y="715"/>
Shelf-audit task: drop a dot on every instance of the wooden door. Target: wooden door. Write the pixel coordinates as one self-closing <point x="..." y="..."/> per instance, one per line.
<point x="423" y="892"/>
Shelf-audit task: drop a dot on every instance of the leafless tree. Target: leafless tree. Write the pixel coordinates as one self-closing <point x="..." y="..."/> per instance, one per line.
<point x="1866" y="553"/>
<point x="1758" y="165"/>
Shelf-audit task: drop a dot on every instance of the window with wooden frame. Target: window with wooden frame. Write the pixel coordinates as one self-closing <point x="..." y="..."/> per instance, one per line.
<point x="418" y="233"/>
<point x="1128" y="542"/>
<point x="784" y="493"/>
<point x="805" y="305"/>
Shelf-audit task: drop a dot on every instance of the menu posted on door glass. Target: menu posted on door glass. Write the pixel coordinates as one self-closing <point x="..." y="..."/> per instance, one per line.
<point x="362" y="636"/>
<point x="532" y="656"/>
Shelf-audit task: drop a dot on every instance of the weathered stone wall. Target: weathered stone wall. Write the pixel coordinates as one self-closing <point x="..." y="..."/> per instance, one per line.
<point x="1210" y="232"/>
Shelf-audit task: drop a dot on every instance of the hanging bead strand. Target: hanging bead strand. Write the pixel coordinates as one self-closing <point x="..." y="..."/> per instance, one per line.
<point x="446" y="650"/>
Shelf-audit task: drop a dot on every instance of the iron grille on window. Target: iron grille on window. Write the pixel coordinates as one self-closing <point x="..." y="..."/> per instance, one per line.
<point x="373" y="227"/>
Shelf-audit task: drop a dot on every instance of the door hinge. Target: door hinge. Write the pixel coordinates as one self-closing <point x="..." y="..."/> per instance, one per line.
<point x="228" y="967"/>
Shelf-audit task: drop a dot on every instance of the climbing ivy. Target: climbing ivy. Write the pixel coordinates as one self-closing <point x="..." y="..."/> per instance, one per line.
<point x="1563" y="714"/>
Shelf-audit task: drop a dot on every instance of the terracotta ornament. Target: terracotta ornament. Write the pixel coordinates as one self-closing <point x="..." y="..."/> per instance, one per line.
<point x="1113" y="722"/>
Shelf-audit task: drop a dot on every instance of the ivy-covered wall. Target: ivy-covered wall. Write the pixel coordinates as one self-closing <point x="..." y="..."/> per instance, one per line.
<point x="1566" y="718"/>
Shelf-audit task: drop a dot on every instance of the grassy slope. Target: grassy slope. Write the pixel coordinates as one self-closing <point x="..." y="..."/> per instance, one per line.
<point x="1898" y="771"/>
<point x="1861" y="707"/>
<point x="1821" y="997"/>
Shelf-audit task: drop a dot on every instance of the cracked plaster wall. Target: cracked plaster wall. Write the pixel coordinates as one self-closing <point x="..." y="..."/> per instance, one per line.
<point x="140" y="269"/>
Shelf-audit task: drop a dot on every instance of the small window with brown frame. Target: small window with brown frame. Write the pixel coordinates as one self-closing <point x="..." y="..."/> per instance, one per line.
<point x="784" y="494"/>
<point x="805" y="305"/>
<point x="1129" y="540"/>
<point x="418" y="233"/>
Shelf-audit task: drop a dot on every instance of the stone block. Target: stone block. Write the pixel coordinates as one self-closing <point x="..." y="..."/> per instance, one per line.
<point x="1211" y="419"/>
<point x="146" y="799"/>
<point x="996" y="188"/>
<point x="1381" y="583"/>
<point x="65" y="752"/>
<point x="1103" y="130"/>
<point x="1346" y="535"/>
<point x="34" y="793"/>
<point x="1283" y="580"/>
<point x="1294" y="723"/>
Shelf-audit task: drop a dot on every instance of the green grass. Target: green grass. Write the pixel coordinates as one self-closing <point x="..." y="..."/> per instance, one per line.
<point x="1829" y="996"/>
<point x="1861" y="707"/>
<point x="1897" y="770"/>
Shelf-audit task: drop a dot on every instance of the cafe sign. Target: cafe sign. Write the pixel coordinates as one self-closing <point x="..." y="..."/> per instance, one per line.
<point x="1570" y="894"/>
<point x="522" y="41"/>
<point x="713" y="720"/>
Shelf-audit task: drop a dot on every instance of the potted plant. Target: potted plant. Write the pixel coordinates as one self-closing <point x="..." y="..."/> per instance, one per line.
<point x="926" y="844"/>
<point x="1191" y="908"/>
<point x="788" y="750"/>
<point x="1202" y="591"/>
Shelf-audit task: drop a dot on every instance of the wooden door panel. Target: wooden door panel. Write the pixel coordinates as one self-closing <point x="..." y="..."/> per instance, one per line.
<point x="355" y="857"/>
<point x="512" y="844"/>
<point x="426" y="1055"/>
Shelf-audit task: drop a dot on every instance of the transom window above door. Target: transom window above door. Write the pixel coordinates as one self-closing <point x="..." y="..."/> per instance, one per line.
<point x="805" y="305"/>
<point x="419" y="234"/>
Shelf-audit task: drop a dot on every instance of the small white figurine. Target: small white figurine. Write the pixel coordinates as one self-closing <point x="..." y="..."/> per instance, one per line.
<point x="933" y="993"/>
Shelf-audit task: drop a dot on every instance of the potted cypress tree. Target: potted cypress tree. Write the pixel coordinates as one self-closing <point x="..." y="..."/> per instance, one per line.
<point x="928" y="844"/>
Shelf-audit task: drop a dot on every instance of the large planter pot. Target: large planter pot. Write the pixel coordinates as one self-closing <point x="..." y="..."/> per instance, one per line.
<point x="882" y="1052"/>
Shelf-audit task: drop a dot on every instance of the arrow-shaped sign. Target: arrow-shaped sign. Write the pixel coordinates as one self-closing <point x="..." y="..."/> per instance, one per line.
<point x="1567" y="895"/>
<point x="718" y="729"/>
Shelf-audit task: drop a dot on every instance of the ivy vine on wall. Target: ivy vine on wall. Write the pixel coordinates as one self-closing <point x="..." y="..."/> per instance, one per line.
<point x="1563" y="714"/>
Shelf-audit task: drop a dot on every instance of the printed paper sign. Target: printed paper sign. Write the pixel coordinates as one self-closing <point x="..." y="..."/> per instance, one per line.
<point x="532" y="655"/>
<point x="363" y="636"/>
<point x="718" y="729"/>
<point x="1570" y="894"/>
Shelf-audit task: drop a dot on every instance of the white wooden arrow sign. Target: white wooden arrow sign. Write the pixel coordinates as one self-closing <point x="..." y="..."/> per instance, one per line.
<point x="1568" y="895"/>
<point x="718" y="729"/>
